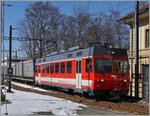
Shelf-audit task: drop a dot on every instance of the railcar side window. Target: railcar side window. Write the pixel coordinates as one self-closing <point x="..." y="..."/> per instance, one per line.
<point x="38" y="69"/>
<point x="57" y="68"/>
<point x="35" y="69"/>
<point x="69" y="67"/>
<point x="47" y="68"/>
<point x="103" y="65"/>
<point x="43" y="68"/>
<point x="62" y="67"/>
<point x="52" y="68"/>
<point x="89" y="65"/>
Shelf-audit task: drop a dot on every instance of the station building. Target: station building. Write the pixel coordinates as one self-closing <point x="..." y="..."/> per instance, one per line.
<point x="144" y="45"/>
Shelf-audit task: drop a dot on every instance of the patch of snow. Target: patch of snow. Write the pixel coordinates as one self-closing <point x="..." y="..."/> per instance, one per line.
<point x="25" y="103"/>
<point x="62" y="112"/>
<point x="28" y="86"/>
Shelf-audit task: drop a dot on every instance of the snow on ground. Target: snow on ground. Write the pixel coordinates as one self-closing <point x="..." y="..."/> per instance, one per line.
<point x="25" y="103"/>
<point x="28" y="86"/>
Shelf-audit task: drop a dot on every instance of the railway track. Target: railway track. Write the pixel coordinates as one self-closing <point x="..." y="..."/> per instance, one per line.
<point x="126" y="104"/>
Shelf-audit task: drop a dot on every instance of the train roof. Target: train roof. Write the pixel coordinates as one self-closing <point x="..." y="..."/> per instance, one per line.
<point x="87" y="52"/>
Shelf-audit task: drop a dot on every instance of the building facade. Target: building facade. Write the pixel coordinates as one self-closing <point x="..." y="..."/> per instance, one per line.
<point x="144" y="45"/>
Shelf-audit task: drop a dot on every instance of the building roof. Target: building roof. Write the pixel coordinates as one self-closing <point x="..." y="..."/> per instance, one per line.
<point x="143" y="11"/>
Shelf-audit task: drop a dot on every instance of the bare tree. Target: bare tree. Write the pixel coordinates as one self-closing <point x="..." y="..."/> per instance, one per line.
<point x="82" y="18"/>
<point x="43" y="24"/>
<point x="96" y="29"/>
<point x="121" y="32"/>
<point x="106" y="29"/>
<point x="39" y="24"/>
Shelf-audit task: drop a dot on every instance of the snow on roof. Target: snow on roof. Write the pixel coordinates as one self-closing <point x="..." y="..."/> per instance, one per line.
<point x="26" y="103"/>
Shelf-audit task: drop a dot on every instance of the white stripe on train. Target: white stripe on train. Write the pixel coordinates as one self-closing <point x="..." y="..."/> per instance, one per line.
<point x="63" y="80"/>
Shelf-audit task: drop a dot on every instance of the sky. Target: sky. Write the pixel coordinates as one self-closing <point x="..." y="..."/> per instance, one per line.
<point x="15" y="13"/>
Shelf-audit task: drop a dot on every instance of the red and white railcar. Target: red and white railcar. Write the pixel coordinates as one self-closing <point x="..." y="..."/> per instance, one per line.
<point x="96" y="71"/>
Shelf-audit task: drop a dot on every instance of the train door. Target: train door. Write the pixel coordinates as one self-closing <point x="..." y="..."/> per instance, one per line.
<point x="78" y="74"/>
<point x="39" y="73"/>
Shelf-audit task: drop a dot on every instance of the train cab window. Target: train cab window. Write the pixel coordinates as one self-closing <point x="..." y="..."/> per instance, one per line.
<point x="69" y="67"/>
<point x="43" y="68"/>
<point x="121" y="66"/>
<point x="89" y="65"/>
<point x="47" y="68"/>
<point x="62" y="67"/>
<point x="57" y="68"/>
<point x="103" y="65"/>
<point x="52" y="68"/>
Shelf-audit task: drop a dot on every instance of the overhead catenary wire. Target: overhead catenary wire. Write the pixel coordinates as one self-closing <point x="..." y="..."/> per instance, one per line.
<point x="127" y="9"/>
<point x="124" y="11"/>
<point x="88" y="3"/>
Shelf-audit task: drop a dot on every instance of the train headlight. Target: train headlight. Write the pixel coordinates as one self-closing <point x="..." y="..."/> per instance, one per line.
<point x="125" y="80"/>
<point x="102" y="80"/>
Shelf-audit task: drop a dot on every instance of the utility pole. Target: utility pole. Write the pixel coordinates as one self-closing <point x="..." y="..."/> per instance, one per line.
<point x="0" y="49"/>
<point x="10" y="50"/>
<point x="137" y="50"/>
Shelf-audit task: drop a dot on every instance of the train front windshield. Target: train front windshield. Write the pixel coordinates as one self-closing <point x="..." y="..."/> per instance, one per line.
<point x="107" y="65"/>
<point x="103" y="65"/>
<point x="121" y="66"/>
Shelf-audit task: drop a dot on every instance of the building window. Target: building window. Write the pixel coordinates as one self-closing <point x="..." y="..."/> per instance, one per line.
<point x="69" y="67"/>
<point x="147" y="38"/>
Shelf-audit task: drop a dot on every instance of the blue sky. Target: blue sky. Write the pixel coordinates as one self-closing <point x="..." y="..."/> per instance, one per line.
<point x="15" y="13"/>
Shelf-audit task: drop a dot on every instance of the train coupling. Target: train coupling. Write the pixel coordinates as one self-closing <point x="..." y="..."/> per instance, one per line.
<point x="117" y="93"/>
<point x="114" y="94"/>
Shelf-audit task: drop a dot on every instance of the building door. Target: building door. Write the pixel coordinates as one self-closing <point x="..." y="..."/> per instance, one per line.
<point x="146" y="82"/>
<point x="78" y="74"/>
